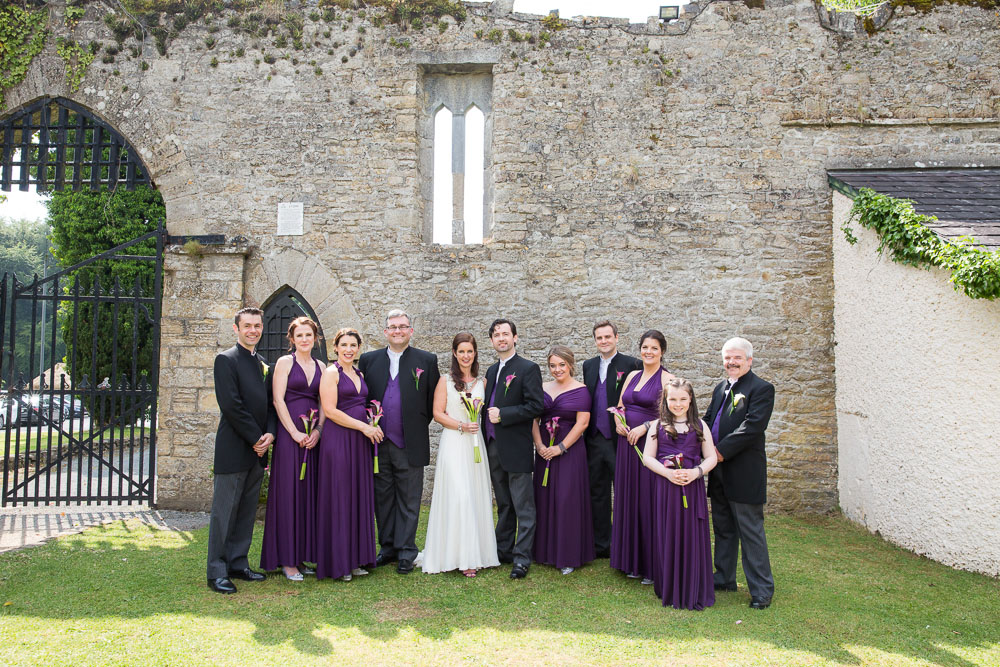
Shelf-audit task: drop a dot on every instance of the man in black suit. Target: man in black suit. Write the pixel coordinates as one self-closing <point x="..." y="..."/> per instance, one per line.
<point x="246" y="430"/>
<point x="403" y="379"/>
<point x="604" y="376"/>
<point x="513" y="400"/>
<point x="739" y="412"/>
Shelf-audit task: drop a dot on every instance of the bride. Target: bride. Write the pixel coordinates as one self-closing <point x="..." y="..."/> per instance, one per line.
<point x="460" y="526"/>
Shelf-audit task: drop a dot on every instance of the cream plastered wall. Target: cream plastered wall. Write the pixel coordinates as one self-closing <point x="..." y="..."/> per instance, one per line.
<point x="918" y="405"/>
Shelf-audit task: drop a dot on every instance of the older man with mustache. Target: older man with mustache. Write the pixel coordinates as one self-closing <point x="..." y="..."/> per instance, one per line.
<point x="739" y="413"/>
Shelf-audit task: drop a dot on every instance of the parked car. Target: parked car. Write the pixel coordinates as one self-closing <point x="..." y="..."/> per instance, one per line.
<point x="21" y="411"/>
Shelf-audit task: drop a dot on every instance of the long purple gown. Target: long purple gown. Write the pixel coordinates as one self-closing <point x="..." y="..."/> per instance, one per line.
<point x="290" y="519"/>
<point x="564" y="531"/>
<point x="682" y="548"/>
<point x="631" y="543"/>
<point x="345" y="515"/>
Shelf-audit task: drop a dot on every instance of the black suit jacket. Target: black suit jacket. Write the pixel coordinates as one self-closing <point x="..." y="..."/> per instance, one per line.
<point x="519" y="404"/>
<point x="243" y="392"/>
<point x="742" y="475"/>
<point x="416" y="398"/>
<point x="621" y="363"/>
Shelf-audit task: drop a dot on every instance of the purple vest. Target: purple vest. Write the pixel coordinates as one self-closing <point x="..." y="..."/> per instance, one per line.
<point x="392" y="413"/>
<point x="718" y="417"/>
<point x="491" y="432"/>
<point x="599" y="410"/>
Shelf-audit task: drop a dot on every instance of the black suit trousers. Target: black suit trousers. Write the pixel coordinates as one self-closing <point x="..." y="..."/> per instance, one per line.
<point x="601" y="465"/>
<point x="398" y="487"/>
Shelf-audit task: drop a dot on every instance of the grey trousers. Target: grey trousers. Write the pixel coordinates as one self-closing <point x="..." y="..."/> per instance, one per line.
<point x="398" y="488"/>
<point x="515" y="497"/>
<point x="230" y="524"/>
<point x="739" y="525"/>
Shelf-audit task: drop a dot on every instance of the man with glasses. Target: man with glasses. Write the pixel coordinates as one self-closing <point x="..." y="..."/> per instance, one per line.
<point x="402" y="379"/>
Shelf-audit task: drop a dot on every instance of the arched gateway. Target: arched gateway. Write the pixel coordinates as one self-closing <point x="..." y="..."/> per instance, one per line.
<point x="89" y="434"/>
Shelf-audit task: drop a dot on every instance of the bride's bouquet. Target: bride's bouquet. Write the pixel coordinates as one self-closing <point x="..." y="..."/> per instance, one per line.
<point x="374" y="414"/>
<point x="473" y="407"/>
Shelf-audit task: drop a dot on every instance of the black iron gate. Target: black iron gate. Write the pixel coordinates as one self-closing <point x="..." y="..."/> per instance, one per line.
<point x="85" y="432"/>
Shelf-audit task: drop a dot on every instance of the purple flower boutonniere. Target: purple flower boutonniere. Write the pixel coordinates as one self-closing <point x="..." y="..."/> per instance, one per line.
<point x="506" y="384"/>
<point x="618" y="379"/>
<point x="417" y="372"/>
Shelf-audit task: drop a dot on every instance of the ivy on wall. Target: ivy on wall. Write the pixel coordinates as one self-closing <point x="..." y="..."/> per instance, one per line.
<point x="905" y="233"/>
<point x="22" y="37"/>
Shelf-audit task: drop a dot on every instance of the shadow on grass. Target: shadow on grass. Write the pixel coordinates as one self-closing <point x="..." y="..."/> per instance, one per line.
<point x="839" y="590"/>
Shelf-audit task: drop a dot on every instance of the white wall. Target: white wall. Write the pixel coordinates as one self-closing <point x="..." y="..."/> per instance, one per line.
<point x="918" y="405"/>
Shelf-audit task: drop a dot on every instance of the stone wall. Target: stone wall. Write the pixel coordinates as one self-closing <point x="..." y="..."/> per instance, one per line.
<point x="916" y="414"/>
<point x="670" y="178"/>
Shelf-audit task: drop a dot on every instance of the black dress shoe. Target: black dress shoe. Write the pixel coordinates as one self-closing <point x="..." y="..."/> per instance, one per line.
<point x="760" y="603"/>
<point x="383" y="559"/>
<point x="405" y="566"/>
<point x="725" y="587"/>
<point x="519" y="572"/>
<point x="222" y="585"/>
<point x="246" y="574"/>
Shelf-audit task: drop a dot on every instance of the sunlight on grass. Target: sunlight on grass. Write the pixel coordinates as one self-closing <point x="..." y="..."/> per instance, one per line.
<point x="128" y="594"/>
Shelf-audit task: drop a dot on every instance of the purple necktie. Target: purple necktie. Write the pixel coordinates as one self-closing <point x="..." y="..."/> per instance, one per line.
<point x="718" y="415"/>
<point x="491" y="432"/>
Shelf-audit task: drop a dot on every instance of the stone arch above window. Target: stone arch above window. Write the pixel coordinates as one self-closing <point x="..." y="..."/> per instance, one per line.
<point x="312" y="281"/>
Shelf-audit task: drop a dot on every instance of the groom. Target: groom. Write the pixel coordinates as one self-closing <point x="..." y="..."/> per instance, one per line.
<point x="513" y="400"/>
<point x="403" y="379"/>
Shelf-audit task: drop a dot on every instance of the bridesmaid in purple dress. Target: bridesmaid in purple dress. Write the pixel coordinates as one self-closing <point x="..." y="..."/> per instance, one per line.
<point x="345" y="515"/>
<point x="631" y="540"/>
<point x="290" y="521"/>
<point x="680" y="452"/>
<point x="564" y="531"/>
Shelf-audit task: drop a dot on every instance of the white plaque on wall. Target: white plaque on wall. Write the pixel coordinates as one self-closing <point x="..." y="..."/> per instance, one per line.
<point x="290" y="219"/>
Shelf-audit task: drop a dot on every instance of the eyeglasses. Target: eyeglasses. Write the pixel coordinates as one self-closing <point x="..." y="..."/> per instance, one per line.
<point x="394" y="328"/>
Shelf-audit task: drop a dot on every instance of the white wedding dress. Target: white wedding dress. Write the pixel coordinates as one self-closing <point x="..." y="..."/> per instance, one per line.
<point x="460" y="526"/>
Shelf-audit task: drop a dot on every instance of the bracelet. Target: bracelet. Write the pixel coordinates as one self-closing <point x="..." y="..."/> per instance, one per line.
<point x="646" y="424"/>
<point x="460" y="429"/>
<point x="701" y="473"/>
<point x="562" y="448"/>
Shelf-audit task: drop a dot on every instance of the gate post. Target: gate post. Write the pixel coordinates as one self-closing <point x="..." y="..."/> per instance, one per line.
<point x="201" y="293"/>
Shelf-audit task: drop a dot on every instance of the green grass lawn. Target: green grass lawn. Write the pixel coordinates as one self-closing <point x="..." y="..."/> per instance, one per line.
<point x="31" y="439"/>
<point x="127" y="594"/>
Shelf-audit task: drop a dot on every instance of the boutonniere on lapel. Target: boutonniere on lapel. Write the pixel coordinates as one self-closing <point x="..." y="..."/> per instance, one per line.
<point x="264" y="369"/>
<point x="417" y="372"/>
<point x="736" y="401"/>
<point x="618" y="379"/>
<point x="506" y="383"/>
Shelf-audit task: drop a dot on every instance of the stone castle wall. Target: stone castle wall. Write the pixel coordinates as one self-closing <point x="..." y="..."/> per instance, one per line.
<point x="670" y="179"/>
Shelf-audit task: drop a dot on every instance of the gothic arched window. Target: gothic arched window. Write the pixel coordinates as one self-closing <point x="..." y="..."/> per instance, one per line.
<point x="279" y="310"/>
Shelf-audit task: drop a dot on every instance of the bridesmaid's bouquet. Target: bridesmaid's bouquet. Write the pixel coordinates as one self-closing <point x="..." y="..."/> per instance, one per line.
<point x="619" y="414"/>
<point x="551" y="426"/>
<point x="308" y="425"/>
<point x="473" y="407"/>
<point x="676" y="461"/>
<point x="374" y="414"/>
